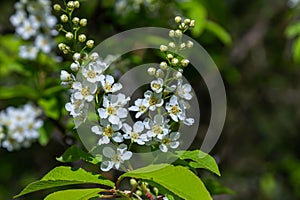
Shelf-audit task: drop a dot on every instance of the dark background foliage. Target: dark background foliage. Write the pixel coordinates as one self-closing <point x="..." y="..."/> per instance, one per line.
<point x="258" y="150"/>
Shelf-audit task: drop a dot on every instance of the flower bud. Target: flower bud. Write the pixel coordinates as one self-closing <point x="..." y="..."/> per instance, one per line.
<point x="182" y="45"/>
<point x="172" y="33"/>
<point x="185" y="62"/>
<point x="74" y="66"/>
<point x="57" y="7"/>
<point x="189" y="44"/>
<point x="182" y="26"/>
<point x="163" y="65"/>
<point x="155" y="190"/>
<point x="177" y="75"/>
<point x="64" y="18"/>
<point x="159" y="73"/>
<point x="90" y="44"/>
<point x="174" y="61"/>
<point x="187" y="21"/>
<point x="69" y="36"/>
<point x="76" y="56"/>
<point x="178" y="33"/>
<point x="94" y="56"/>
<point x="192" y="24"/>
<point x="163" y="48"/>
<point x="81" y="38"/>
<point x="169" y="56"/>
<point x="132" y="182"/>
<point x="70" y="4"/>
<point x="76" y="4"/>
<point x="75" y="20"/>
<point x="151" y="71"/>
<point x="61" y="46"/>
<point x="65" y="51"/>
<point x="83" y="22"/>
<point x="172" y="45"/>
<point x="65" y="76"/>
<point x="177" y="19"/>
<point x="139" y="193"/>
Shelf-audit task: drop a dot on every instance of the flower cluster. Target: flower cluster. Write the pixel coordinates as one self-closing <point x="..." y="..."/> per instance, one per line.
<point x="19" y="127"/>
<point x="158" y="114"/>
<point x="33" y="21"/>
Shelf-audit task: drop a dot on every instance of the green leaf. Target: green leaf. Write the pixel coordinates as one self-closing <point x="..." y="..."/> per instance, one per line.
<point x="201" y="160"/>
<point x="296" y="50"/>
<point x="18" y="91"/>
<point x="171" y="177"/>
<point x="62" y="176"/>
<point x="293" y="30"/>
<point x="195" y="10"/>
<point x="74" y="153"/>
<point x="219" y="32"/>
<point x="50" y="107"/>
<point x="75" y="194"/>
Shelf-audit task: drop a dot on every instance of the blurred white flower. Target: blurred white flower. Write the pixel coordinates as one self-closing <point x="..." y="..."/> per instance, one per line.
<point x="116" y="157"/>
<point x="134" y="134"/>
<point x="28" y="52"/>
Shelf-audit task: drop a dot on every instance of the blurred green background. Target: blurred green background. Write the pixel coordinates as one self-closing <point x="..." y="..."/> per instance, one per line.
<point x="258" y="151"/>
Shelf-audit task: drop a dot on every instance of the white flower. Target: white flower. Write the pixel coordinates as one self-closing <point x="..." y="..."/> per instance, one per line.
<point x="65" y="76"/>
<point x="27" y="29"/>
<point x="157" y="128"/>
<point x="140" y="105"/>
<point x="107" y="132"/>
<point x="113" y="108"/>
<point x="108" y="84"/>
<point x="43" y="43"/>
<point x="28" y="52"/>
<point x="174" y="109"/>
<point x="75" y="66"/>
<point x="135" y="133"/>
<point x="117" y="158"/>
<point x="184" y="91"/>
<point x="18" y="18"/>
<point x="84" y="91"/>
<point x="157" y="85"/>
<point x="154" y="100"/>
<point x="169" y="141"/>
<point x="93" y="71"/>
<point x="75" y="107"/>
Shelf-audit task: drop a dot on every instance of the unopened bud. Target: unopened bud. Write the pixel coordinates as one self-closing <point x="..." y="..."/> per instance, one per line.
<point x="182" y="45"/>
<point x="177" y="75"/>
<point x="81" y="38"/>
<point x="133" y="182"/>
<point x="76" y="56"/>
<point x="69" y="36"/>
<point x="74" y="66"/>
<point x="65" y="76"/>
<point x="75" y="20"/>
<point x="159" y="73"/>
<point x="192" y="24"/>
<point x="172" y="45"/>
<point x="83" y="22"/>
<point x="61" y="46"/>
<point x="163" y="65"/>
<point x="70" y="4"/>
<point x="163" y="48"/>
<point x="139" y="193"/>
<point x="76" y="4"/>
<point x="185" y="62"/>
<point x="172" y="33"/>
<point x="189" y="44"/>
<point x="151" y="71"/>
<point x="178" y="33"/>
<point x="57" y="7"/>
<point x="169" y="56"/>
<point x="174" y="61"/>
<point x="187" y="21"/>
<point x="177" y="19"/>
<point x="90" y="44"/>
<point x="64" y="18"/>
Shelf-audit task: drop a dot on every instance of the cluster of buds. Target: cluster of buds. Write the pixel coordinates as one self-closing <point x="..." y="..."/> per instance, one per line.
<point x="71" y="27"/>
<point x="144" y="189"/>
